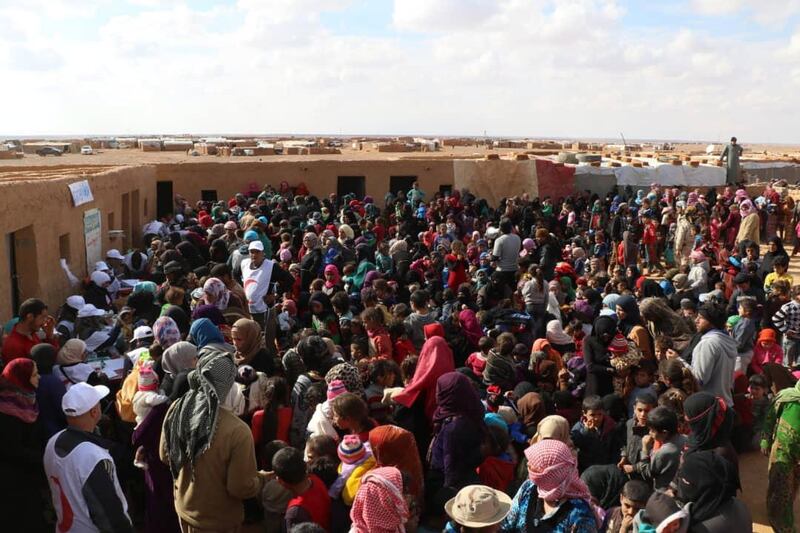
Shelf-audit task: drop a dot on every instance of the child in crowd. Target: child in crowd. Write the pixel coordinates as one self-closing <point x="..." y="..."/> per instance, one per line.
<point x="760" y="401"/>
<point x="274" y="496"/>
<point x="766" y="350"/>
<point x="663" y="514"/>
<point x="594" y="435"/>
<point x="274" y="420"/>
<point x="643" y="377"/>
<point x="497" y="469"/>
<point x="322" y="421"/>
<point x="744" y="333"/>
<point x="636" y="429"/>
<point x="321" y="446"/>
<point x="632" y="499"/>
<point x="147" y="396"/>
<point x="382" y="374"/>
<point x="661" y="448"/>
<point x="419" y="318"/>
<point x="310" y="501"/>
<point x="402" y="346"/>
<point x="359" y="348"/>
<point x="380" y="344"/>
<point x="780" y="268"/>
<point x="356" y="460"/>
<point x="408" y="367"/>
<point x="477" y="360"/>
<point x="351" y="415"/>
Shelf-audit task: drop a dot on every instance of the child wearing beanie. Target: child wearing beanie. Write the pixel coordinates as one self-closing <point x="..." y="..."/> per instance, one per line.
<point x="357" y="460"/>
<point x="321" y="422"/>
<point x="146" y="397"/>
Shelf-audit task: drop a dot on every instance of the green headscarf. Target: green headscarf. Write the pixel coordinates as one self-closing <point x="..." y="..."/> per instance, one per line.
<point x="792" y="394"/>
<point x="361" y="273"/>
<point x="570" y="290"/>
<point x="145" y="286"/>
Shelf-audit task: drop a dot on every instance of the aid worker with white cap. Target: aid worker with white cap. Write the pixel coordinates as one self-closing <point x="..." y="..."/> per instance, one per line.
<point x="80" y="471"/>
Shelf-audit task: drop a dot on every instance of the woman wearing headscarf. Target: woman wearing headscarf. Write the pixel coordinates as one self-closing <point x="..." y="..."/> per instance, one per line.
<point x="531" y="411"/>
<point x="179" y="316"/>
<point x="177" y="361"/>
<point x="210" y="312"/>
<point x="553" y="498"/>
<point x="160" y="515"/>
<point x="250" y="346"/>
<point x="204" y="333"/>
<point x="775" y="250"/>
<point x="333" y="280"/>
<point x="50" y="390"/>
<point x="166" y="332"/>
<point x="781" y="442"/>
<point x="394" y="446"/>
<point x="21" y="470"/>
<point x="559" y="340"/>
<point x="312" y="260"/>
<point x="217" y="294"/>
<point x="662" y="320"/>
<point x="470" y="326"/>
<point x="419" y="395"/>
<point x="459" y="430"/>
<point x="554" y="427"/>
<point x="360" y="277"/>
<point x="706" y="485"/>
<point x="551" y="354"/>
<point x="143" y="302"/>
<point x="630" y="325"/>
<point x="323" y="317"/>
<point x="72" y="367"/>
<point x="380" y="505"/>
<point x="750" y="228"/>
<point x="209" y="450"/>
<point x="96" y="292"/>
<point x="711" y="422"/>
<point x="190" y="256"/>
<point x="599" y="372"/>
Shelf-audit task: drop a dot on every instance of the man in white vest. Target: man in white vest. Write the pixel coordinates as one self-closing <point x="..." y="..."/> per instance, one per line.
<point x="81" y="473"/>
<point x="259" y="278"/>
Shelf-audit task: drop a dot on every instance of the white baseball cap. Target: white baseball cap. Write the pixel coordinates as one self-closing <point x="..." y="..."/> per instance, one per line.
<point x="142" y="332"/>
<point x="256" y="245"/>
<point x="114" y="254"/>
<point x="101" y="266"/>
<point x="76" y="302"/>
<point x="81" y="397"/>
<point x="90" y="310"/>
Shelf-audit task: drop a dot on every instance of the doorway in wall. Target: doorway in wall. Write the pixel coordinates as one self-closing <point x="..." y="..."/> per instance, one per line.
<point x="351" y="185"/>
<point x="164" y="198"/>
<point x="23" y="266"/>
<point x="401" y="183"/>
<point x="208" y="195"/>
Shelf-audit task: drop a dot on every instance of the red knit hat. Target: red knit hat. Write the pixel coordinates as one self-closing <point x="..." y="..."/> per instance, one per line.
<point x="619" y="344"/>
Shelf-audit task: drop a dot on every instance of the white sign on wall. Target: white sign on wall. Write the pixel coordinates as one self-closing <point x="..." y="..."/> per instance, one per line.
<point x="81" y="192"/>
<point x="93" y="235"/>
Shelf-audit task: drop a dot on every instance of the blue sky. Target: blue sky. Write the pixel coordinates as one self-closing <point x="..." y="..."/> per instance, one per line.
<point x="691" y="69"/>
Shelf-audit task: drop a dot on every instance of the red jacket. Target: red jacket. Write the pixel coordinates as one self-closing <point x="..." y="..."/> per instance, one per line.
<point x="496" y="473"/>
<point x="315" y="501"/>
<point x="18" y="345"/>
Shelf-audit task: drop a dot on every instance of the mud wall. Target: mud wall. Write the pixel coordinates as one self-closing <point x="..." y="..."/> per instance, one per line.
<point x="320" y="176"/>
<point x="496" y="179"/>
<point x="40" y="215"/>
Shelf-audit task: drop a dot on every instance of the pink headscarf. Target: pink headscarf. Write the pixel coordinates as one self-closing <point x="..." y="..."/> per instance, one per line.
<point x="379" y="505"/>
<point x="554" y="470"/>
<point x="469" y="323"/>
<point x="219" y="293"/>
<point x="435" y="359"/>
<point x="746" y="208"/>
<point x="334" y="272"/>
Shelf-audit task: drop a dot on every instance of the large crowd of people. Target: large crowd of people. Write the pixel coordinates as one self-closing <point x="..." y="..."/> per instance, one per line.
<point x="291" y="363"/>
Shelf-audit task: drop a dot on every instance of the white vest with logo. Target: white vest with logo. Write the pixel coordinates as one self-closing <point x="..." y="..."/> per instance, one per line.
<point x="66" y="477"/>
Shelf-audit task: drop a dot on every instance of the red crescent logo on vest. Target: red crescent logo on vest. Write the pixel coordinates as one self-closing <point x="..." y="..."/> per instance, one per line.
<point x="66" y="509"/>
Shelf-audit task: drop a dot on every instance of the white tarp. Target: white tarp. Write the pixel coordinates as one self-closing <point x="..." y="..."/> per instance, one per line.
<point x="665" y="174"/>
<point x="703" y="175"/>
